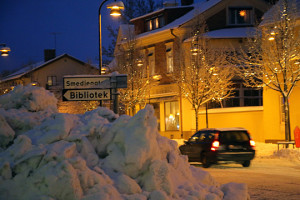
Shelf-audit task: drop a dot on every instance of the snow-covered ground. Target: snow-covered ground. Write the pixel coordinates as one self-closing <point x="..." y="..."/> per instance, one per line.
<point x="97" y="155"/>
<point x="272" y="175"/>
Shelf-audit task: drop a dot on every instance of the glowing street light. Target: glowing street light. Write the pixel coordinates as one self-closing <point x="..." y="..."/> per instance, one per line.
<point x="4" y="50"/>
<point x="115" y="8"/>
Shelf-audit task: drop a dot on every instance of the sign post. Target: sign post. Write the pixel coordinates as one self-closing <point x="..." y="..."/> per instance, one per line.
<point x="297" y="136"/>
<point x="86" y="95"/>
<point x="94" y="88"/>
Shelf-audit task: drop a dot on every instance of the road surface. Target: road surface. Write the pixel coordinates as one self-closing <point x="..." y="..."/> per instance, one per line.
<point x="267" y="179"/>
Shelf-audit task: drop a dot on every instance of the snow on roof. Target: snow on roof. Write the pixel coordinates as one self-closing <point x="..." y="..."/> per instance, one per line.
<point x="199" y="7"/>
<point x="32" y="67"/>
<point x="158" y="11"/>
<point x="22" y="71"/>
<point x="272" y="14"/>
<point x="126" y="30"/>
<point x="241" y="32"/>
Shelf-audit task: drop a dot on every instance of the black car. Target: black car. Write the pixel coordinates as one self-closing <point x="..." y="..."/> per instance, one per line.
<point x="221" y="144"/>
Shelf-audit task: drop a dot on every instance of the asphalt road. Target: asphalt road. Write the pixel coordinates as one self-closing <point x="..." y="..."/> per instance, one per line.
<point x="267" y="179"/>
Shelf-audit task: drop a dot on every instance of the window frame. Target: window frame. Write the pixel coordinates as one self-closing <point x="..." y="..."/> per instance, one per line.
<point x="151" y="61"/>
<point x="236" y="8"/>
<point x="52" y="78"/>
<point x="176" y="116"/>
<point x="154" y="22"/>
<point x="169" y="57"/>
<point x="239" y="100"/>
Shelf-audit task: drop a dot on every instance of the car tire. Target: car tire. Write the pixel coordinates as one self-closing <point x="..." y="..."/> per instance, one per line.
<point x="204" y="160"/>
<point x="246" y="163"/>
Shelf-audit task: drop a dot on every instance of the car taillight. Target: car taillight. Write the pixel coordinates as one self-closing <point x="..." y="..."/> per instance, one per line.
<point x="252" y="143"/>
<point x="215" y="145"/>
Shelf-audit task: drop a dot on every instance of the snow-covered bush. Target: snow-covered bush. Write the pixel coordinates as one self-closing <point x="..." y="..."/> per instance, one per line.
<point x="98" y="155"/>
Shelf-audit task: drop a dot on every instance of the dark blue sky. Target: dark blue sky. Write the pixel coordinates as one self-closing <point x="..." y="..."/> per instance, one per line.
<point x="26" y="26"/>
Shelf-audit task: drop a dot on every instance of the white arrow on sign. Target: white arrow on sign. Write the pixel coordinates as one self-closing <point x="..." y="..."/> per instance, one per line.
<point x="86" y="95"/>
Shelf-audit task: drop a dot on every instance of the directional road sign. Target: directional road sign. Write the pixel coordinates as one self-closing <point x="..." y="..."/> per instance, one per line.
<point x="86" y="82"/>
<point x="86" y="95"/>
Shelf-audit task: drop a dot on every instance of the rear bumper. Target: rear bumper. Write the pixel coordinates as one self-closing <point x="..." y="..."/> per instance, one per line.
<point x="235" y="156"/>
<point x="232" y="156"/>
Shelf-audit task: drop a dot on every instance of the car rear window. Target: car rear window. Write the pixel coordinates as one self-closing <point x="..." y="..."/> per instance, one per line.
<point x="234" y="136"/>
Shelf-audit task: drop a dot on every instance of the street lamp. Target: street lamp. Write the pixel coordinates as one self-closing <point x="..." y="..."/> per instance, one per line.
<point x="115" y="8"/>
<point x="4" y="50"/>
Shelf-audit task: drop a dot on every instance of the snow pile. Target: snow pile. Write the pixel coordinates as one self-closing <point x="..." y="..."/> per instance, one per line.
<point x="268" y="150"/>
<point x="97" y="155"/>
<point x="30" y="98"/>
<point x="290" y="154"/>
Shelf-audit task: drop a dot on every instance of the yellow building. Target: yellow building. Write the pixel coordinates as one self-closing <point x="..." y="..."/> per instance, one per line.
<point x="229" y="22"/>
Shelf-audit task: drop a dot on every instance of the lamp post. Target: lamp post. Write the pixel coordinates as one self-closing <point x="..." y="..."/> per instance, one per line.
<point x="4" y="50"/>
<point x="115" y="8"/>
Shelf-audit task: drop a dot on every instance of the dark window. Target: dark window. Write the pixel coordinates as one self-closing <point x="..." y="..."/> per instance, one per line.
<point x="161" y="21"/>
<point x="252" y="97"/>
<point x="241" y="96"/>
<point x="234" y="136"/>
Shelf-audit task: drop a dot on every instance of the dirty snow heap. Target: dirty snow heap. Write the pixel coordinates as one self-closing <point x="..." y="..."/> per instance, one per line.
<point x="97" y="155"/>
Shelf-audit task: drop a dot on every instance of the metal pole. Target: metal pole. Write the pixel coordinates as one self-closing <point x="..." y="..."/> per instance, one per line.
<point x="206" y="115"/>
<point x="100" y="41"/>
<point x="100" y="37"/>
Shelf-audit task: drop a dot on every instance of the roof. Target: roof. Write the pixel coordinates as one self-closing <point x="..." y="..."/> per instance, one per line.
<point x="159" y="11"/>
<point x="224" y="129"/>
<point x="272" y="15"/>
<point x="199" y="7"/>
<point x="125" y="31"/>
<point x="33" y="67"/>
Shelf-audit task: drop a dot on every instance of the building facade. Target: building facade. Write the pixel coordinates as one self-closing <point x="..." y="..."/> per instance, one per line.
<point x="157" y="36"/>
<point x="49" y="75"/>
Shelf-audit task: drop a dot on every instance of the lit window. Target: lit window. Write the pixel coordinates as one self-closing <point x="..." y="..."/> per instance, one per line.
<point x="240" y="16"/>
<point x="149" y="25"/>
<point x="156" y="23"/>
<point x="172" y="115"/>
<point x="51" y="80"/>
<point x="169" y="57"/>
<point x="151" y="61"/>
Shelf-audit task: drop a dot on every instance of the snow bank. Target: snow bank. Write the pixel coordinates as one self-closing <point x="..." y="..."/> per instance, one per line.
<point x="97" y="155"/>
<point x="270" y="151"/>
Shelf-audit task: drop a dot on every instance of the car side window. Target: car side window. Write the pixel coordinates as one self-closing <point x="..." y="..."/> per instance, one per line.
<point x="210" y="137"/>
<point x="202" y="137"/>
<point x="195" y="137"/>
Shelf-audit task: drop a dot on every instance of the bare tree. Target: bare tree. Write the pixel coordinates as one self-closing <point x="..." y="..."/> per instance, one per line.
<point x="131" y="62"/>
<point x="272" y="59"/>
<point x="204" y="73"/>
<point x="133" y="8"/>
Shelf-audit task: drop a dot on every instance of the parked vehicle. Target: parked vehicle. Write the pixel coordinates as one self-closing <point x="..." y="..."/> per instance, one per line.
<point x="221" y="144"/>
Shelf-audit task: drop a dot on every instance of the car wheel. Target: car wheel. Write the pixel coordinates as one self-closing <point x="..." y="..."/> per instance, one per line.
<point x="204" y="160"/>
<point x="246" y="163"/>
